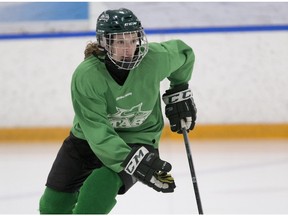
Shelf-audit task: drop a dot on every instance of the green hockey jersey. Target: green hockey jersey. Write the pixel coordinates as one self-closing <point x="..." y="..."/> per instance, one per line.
<point x="110" y="116"/>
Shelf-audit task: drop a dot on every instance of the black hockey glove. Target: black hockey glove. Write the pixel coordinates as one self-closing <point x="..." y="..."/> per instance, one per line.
<point x="180" y="105"/>
<point x="148" y="168"/>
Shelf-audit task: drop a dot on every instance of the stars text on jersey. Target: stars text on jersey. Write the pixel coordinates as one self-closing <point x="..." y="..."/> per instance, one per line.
<point x="128" y="118"/>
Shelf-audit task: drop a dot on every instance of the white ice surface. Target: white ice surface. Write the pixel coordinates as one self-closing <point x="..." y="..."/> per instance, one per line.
<point x="234" y="177"/>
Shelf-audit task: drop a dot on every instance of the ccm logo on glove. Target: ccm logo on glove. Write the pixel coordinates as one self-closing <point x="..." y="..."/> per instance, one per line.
<point x="177" y="97"/>
<point x="135" y="160"/>
<point x="180" y="107"/>
<point x="147" y="167"/>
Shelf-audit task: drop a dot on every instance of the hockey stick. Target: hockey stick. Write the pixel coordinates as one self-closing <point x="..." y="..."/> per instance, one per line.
<point x="190" y="161"/>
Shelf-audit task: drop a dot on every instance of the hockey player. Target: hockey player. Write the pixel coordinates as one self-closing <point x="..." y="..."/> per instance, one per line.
<point x="118" y="119"/>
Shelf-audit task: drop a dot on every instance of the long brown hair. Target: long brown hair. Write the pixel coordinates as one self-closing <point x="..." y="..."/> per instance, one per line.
<point x="92" y="47"/>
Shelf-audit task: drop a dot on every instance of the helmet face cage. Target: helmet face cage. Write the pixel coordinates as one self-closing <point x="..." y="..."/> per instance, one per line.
<point x="120" y="34"/>
<point x="127" y="49"/>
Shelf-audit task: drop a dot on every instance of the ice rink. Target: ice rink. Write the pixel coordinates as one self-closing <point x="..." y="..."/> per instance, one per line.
<point x="234" y="177"/>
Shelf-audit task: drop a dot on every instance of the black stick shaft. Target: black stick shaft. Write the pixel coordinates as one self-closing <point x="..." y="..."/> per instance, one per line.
<point x="193" y="175"/>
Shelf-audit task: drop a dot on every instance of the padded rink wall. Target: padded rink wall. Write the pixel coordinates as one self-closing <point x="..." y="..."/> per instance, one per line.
<point x="239" y="81"/>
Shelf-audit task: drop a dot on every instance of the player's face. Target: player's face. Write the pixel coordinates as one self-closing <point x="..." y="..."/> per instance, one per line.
<point x="124" y="46"/>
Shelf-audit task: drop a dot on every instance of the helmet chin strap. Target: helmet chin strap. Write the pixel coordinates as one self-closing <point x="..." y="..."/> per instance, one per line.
<point x="101" y="57"/>
<point x="101" y="48"/>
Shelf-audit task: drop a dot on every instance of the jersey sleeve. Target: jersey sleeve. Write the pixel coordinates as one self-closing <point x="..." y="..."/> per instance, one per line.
<point x="90" y="112"/>
<point x="180" y="61"/>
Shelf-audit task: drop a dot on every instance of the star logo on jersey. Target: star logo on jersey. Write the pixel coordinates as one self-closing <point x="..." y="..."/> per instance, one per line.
<point x="125" y="118"/>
